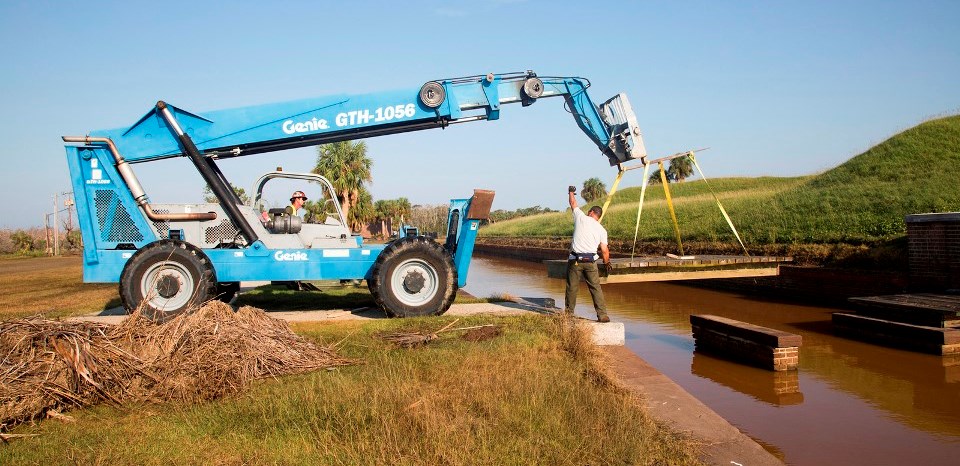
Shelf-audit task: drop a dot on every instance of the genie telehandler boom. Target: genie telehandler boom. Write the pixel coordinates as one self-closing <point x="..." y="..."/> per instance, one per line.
<point x="169" y="258"/>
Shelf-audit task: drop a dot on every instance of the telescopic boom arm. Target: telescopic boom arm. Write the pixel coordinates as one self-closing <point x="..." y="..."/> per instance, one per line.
<point x="235" y="132"/>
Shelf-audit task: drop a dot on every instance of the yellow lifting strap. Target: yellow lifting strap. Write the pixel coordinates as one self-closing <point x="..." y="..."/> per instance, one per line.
<point x="673" y="214"/>
<point x="722" y="210"/>
<point x="613" y="189"/>
<point x="643" y="193"/>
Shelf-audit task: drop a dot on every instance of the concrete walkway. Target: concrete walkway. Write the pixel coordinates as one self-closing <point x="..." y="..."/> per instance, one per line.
<point x="667" y="402"/>
<point x="721" y="442"/>
<point x="116" y="315"/>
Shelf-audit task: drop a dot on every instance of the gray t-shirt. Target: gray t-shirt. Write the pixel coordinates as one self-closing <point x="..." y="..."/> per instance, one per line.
<point x="587" y="234"/>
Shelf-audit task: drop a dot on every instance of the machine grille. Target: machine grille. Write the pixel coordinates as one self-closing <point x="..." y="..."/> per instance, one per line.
<point x="162" y="226"/>
<point x="118" y="227"/>
<point x="225" y="232"/>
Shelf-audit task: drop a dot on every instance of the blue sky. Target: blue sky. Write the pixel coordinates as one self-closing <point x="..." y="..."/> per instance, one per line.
<point x="773" y="88"/>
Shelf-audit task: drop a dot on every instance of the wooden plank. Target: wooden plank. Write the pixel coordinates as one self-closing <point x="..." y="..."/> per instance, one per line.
<point x="691" y="275"/>
<point x="658" y="268"/>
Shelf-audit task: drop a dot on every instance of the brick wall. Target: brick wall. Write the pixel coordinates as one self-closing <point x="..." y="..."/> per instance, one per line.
<point x="934" y="246"/>
<point x="755" y="345"/>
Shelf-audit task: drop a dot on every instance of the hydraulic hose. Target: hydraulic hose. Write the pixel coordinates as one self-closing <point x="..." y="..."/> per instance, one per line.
<point x="220" y="188"/>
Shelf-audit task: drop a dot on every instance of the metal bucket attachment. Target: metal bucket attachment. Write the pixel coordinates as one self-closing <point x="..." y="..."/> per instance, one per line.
<point x="480" y="204"/>
<point x="626" y="140"/>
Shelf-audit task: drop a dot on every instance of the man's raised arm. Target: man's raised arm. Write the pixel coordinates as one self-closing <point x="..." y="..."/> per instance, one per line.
<point x="573" y="197"/>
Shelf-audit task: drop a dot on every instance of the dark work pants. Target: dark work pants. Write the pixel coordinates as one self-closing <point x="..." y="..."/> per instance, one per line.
<point x="588" y="271"/>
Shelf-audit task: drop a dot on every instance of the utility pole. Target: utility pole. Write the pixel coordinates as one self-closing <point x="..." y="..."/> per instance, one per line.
<point x="48" y="246"/>
<point x="56" y="227"/>
<point x="68" y="203"/>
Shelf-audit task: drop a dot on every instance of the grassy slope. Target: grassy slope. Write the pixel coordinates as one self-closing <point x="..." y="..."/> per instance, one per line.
<point x="862" y="201"/>
<point x="533" y="395"/>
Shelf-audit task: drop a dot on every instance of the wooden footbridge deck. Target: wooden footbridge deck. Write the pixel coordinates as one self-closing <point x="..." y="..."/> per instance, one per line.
<point x="662" y="268"/>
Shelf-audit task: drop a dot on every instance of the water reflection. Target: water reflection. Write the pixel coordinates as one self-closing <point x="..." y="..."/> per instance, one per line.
<point x="860" y="403"/>
<point x="776" y="388"/>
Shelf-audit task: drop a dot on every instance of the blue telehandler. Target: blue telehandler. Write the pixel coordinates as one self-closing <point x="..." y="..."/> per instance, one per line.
<point x="169" y="258"/>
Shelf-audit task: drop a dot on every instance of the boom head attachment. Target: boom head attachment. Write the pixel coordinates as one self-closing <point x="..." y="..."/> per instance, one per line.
<point x="626" y="139"/>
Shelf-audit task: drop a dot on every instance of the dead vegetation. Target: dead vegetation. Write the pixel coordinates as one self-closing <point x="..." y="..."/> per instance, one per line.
<point x="49" y="365"/>
<point x="413" y="339"/>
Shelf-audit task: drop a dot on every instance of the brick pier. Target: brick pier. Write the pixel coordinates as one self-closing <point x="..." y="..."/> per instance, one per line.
<point x="760" y="346"/>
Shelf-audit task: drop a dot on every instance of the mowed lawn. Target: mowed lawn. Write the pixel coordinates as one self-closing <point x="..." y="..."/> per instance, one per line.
<point x="535" y="392"/>
<point x="52" y="286"/>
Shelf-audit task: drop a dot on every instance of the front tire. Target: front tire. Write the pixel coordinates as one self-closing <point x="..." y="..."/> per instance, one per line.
<point x="414" y="277"/>
<point x="166" y="278"/>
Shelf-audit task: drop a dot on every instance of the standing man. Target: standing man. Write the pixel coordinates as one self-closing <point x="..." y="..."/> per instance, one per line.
<point x="296" y="203"/>
<point x="588" y="235"/>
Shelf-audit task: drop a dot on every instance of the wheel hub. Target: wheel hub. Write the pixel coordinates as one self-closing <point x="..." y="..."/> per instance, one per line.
<point x="413" y="282"/>
<point x="168" y="286"/>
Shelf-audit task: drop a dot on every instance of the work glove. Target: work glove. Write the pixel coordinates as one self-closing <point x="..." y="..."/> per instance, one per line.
<point x="573" y="189"/>
<point x="607" y="268"/>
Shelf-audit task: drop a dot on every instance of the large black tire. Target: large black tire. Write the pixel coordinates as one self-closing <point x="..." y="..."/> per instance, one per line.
<point x="227" y="290"/>
<point x="166" y="278"/>
<point x="414" y="277"/>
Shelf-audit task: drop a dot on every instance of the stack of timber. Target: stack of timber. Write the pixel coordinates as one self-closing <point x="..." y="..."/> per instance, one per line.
<point x="662" y="268"/>
<point x="925" y="322"/>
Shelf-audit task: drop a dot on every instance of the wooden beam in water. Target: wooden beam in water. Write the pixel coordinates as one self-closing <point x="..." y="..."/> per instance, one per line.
<point x="660" y="268"/>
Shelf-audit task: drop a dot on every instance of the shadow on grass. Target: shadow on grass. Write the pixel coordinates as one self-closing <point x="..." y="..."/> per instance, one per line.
<point x="113" y="307"/>
<point x="112" y="303"/>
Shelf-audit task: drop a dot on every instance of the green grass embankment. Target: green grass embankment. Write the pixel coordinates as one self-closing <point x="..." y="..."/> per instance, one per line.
<point x="535" y="394"/>
<point x="859" y="205"/>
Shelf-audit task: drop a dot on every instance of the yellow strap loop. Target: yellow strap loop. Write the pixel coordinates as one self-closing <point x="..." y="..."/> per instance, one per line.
<point x="643" y="192"/>
<point x="673" y="214"/>
<point x="613" y="189"/>
<point x="722" y="210"/>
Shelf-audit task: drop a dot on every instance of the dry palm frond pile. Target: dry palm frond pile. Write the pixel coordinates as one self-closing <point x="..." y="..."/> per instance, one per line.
<point x="413" y="339"/>
<point x="48" y="364"/>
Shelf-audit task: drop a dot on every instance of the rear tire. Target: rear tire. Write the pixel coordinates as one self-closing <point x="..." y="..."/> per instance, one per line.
<point x="227" y="290"/>
<point x="166" y="278"/>
<point x="413" y="277"/>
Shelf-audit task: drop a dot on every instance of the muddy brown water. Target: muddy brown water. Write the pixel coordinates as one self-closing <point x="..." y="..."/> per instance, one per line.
<point x="849" y="403"/>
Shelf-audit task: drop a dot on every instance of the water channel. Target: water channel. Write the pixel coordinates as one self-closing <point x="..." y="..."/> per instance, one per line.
<point x="850" y="403"/>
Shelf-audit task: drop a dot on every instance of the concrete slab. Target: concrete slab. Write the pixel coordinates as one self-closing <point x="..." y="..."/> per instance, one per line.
<point x="603" y="334"/>
<point x="607" y="334"/>
<point x="365" y="313"/>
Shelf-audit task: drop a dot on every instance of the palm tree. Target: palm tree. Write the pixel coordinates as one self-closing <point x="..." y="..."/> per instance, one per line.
<point x="655" y="177"/>
<point x="403" y="208"/>
<point x="383" y="210"/>
<point x="348" y="168"/>
<point x="680" y="169"/>
<point x="362" y="212"/>
<point x="593" y="189"/>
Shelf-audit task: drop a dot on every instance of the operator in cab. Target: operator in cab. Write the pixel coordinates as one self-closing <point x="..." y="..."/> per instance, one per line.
<point x="297" y="199"/>
<point x="588" y="237"/>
